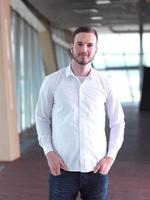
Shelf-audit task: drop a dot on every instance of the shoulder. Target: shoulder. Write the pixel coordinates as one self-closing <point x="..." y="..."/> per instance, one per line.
<point x="103" y="79"/>
<point x="108" y="84"/>
<point x="54" y="78"/>
<point x="51" y="81"/>
<point x="56" y="75"/>
<point x="102" y="76"/>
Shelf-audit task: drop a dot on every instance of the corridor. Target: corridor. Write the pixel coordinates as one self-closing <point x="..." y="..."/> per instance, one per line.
<point x="26" y="178"/>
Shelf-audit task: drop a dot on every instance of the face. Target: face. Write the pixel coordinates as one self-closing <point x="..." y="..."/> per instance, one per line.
<point x="84" y="48"/>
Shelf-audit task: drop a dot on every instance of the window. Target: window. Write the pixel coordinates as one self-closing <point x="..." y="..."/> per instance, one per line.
<point x="28" y="69"/>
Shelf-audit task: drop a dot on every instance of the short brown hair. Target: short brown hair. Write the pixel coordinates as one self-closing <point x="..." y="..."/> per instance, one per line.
<point x="85" y="29"/>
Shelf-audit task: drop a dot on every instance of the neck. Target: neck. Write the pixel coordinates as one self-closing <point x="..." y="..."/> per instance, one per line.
<point x="80" y="70"/>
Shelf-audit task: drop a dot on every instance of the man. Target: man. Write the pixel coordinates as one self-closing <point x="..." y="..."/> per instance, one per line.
<point x="70" y="121"/>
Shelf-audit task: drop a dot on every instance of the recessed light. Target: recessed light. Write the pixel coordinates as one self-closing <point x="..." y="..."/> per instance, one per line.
<point x="103" y="2"/>
<point x="83" y="11"/>
<point x="97" y="17"/>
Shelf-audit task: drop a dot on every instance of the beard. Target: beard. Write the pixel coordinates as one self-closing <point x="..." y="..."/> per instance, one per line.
<point x="82" y="59"/>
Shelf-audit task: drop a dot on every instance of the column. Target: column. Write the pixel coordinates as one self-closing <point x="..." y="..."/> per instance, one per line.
<point x="47" y="52"/>
<point x="9" y="137"/>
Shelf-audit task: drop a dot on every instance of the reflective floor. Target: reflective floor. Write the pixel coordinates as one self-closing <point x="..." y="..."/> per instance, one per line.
<point x="130" y="175"/>
<point x="26" y="178"/>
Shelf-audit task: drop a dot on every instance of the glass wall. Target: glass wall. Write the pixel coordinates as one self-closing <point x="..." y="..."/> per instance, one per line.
<point x="61" y="47"/>
<point x="146" y="48"/>
<point x="62" y="56"/>
<point x="118" y="57"/>
<point x="28" y="69"/>
<point x="117" y="51"/>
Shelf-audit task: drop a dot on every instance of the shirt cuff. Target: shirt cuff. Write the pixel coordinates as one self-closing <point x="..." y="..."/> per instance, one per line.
<point x="112" y="154"/>
<point x="47" y="148"/>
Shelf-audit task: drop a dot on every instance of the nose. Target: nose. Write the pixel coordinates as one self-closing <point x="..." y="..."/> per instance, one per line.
<point x="84" y="48"/>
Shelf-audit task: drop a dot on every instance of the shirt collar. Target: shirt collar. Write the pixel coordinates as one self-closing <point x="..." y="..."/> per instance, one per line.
<point x="70" y="73"/>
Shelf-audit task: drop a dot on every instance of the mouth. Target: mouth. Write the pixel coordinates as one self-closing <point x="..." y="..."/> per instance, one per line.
<point x="83" y="55"/>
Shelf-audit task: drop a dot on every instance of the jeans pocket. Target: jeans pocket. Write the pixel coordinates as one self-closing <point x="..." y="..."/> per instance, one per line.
<point x="100" y="174"/>
<point x="62" y="171"/>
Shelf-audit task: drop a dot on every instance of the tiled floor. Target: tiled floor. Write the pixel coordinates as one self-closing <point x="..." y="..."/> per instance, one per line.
<point x="26" y="178"/>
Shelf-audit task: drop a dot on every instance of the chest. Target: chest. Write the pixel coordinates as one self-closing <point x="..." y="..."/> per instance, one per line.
<point x="72" y="92"/>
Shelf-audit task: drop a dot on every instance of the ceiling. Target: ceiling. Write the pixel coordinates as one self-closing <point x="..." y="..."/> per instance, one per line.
<point x="116" y="16"/>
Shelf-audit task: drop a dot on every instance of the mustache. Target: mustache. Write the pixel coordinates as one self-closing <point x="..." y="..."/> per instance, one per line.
<point x="83" y="54"/>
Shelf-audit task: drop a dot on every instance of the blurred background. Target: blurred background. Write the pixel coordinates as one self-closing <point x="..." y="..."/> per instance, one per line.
<point x="35" y="40"/>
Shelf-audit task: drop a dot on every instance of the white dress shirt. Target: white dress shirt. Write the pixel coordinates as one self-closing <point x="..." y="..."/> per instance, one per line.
<point x="70" y="119"/>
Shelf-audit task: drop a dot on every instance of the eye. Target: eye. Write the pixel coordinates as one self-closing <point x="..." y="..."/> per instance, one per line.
<point x="90" y="45"/>
<point x="79" y="44"/>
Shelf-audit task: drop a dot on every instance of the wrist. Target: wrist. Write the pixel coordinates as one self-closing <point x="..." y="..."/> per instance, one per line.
<point x="110" y="158"/>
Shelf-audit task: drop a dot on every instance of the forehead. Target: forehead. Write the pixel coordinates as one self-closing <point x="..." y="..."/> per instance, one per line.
<point x="85" y="38"/>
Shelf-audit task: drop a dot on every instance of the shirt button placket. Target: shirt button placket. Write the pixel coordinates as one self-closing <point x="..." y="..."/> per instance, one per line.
<point x="81" y="129"/>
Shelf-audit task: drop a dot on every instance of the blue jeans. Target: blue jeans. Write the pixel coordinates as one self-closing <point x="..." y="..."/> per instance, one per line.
<point x="67" y="185"/>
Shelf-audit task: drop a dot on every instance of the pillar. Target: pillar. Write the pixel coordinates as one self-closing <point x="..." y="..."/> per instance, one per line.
<point x="9" y="137"/>
<point x="47" y="52"/>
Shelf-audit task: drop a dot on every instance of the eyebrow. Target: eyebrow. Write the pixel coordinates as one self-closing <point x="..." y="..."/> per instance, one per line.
<point x="89" y="43"/>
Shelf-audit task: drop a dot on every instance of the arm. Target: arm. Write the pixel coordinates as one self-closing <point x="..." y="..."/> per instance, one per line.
<point x="116" y="124"/>
<point x="43" y="115"/>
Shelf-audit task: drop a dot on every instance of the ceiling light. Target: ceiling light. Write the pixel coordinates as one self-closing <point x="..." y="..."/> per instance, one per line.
<point x="97" y="17"/>
<point x="103" y="2"/>
<point x="84" y="11"/>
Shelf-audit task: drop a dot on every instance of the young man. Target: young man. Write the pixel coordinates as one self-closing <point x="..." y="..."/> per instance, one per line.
<point x="70" y="121"/>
